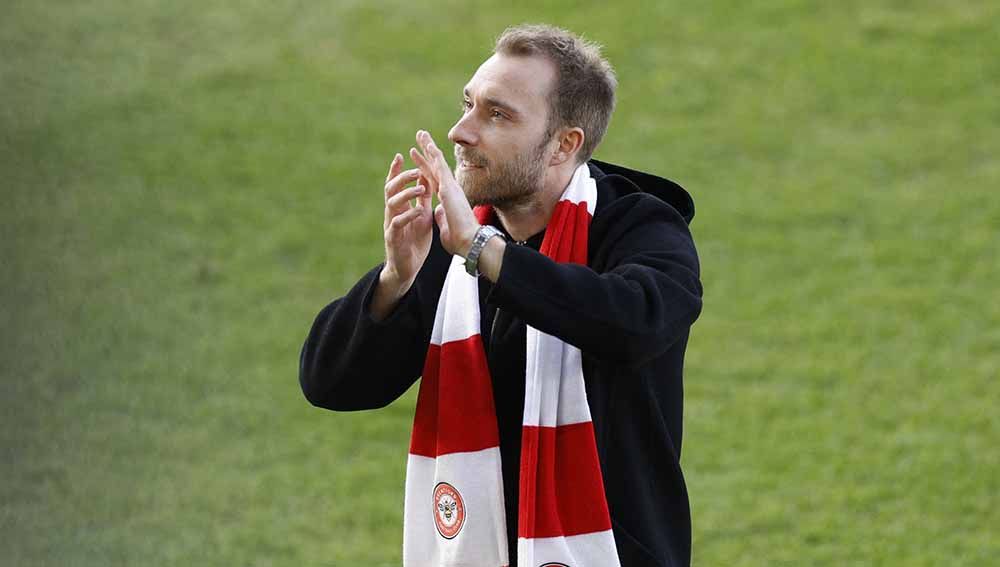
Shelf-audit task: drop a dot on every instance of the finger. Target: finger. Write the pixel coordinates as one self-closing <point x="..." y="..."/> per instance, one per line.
<point x="399" y="222"/>
<point x="449" y="191"/>
<point x="394" y="167"/>
<point x="427" y="148"/>
<point x="434" y="155"/>
<point x="441" y="215"/>
<point x="441" y="218"/>
<point x="399" y="202"/>
<point x="425" y="166"/>
<point x="424" y="199"/>
<point x="436" y="162"/>
<point x="442" y="180"/>
<point x="395" y="184"/>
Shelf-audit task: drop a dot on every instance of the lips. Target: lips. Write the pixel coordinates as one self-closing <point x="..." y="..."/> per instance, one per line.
<point x="469" y="160"/>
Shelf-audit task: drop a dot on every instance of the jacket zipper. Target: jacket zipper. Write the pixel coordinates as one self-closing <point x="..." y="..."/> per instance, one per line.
<point x="496" y="314"/>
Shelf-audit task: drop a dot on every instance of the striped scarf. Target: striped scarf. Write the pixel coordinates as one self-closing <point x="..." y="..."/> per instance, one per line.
<point x="454" y="507"/>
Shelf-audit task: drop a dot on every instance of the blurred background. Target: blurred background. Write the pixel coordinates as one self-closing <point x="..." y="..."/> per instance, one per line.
<point x="186" y="184"/>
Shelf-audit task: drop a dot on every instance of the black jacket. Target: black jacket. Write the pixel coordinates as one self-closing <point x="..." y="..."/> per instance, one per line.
<point x="629" y="311"/>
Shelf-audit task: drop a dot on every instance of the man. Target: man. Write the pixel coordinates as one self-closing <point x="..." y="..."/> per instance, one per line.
<point x="532" y="115"/>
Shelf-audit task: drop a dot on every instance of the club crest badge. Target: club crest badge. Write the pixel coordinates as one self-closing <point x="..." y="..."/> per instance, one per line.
<point x="449" y="510"/>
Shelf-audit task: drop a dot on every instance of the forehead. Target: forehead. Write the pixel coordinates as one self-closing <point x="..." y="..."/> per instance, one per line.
<point x="524" y="81"/>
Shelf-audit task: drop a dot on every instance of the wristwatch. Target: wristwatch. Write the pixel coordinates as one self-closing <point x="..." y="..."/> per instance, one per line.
<point x="484" y="233"/>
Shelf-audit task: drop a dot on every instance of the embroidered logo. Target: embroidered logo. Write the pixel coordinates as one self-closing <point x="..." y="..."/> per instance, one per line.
<point x="449" y="510"/>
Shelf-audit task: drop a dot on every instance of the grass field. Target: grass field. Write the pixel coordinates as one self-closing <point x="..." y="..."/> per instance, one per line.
<point x="185" y="184"/>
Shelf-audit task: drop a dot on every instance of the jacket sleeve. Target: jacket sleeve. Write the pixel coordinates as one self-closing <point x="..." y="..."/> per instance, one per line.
<point x="643" y="295"/>
<point x="351" y="362"/>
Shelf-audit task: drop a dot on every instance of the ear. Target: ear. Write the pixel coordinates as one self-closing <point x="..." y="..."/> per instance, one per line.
<point x="570" y="141"/>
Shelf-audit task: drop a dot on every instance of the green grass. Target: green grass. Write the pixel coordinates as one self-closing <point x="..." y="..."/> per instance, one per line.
<point x="185" y="184"/>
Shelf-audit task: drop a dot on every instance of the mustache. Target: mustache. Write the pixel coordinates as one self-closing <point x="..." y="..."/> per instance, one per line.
<point x="470" y="156"/>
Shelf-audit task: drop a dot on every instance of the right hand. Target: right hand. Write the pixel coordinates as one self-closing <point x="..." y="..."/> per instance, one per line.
<point x="407" y="229"/>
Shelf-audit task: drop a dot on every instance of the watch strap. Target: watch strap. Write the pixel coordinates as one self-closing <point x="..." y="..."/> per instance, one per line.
<point x="479" y="241"/>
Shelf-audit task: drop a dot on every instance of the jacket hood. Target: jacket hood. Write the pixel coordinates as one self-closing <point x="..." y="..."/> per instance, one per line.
<point x="664" y="189"/>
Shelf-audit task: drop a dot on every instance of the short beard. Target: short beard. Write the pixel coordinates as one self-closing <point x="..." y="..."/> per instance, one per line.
<point x="502" y="185"/>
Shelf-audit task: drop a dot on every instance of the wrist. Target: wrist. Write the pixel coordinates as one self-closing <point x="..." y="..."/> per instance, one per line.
<point x="388" y="291"/>
<point x="391" y="284"/>
<point x="466" y="246"/>
<point x="491" y="260"/>
<point x="483" y="236"/>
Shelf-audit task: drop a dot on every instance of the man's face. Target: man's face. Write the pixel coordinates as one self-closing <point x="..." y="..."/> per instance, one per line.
<point x="502" y="139"/>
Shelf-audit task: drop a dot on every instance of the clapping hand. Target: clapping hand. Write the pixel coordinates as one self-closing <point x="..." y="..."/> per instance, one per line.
<point x="453" y="214"/>
<point x="407" y="226"/>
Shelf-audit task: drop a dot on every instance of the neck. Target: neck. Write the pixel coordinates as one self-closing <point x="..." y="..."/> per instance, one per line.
<point x="527" y="218"/>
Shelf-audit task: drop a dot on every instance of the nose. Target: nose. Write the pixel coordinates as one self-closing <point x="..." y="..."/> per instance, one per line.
<point x="464" y="131"/>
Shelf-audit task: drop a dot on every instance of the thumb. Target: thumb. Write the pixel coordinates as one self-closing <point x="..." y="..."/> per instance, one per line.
<point x="440" y="216"/>
<point x="426" y="199"/>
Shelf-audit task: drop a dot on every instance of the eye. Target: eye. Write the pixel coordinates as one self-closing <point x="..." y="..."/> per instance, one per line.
<point x="466" y="105"/>
<point x="496" y="114"/>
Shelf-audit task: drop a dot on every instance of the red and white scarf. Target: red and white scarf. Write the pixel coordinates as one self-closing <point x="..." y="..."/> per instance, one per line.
<point x="454" y="509"/>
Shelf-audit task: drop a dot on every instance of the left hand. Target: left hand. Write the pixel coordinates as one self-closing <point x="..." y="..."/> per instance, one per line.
<point x="453" y="214"/>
